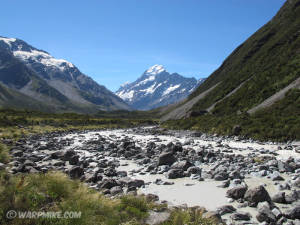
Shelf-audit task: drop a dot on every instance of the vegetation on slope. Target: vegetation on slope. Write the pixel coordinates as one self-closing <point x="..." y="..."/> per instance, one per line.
<point x="268" y="61"/>
<point x="263" y="65"/>
<point x="10" y="98"/>
<point x="280" y="122"/>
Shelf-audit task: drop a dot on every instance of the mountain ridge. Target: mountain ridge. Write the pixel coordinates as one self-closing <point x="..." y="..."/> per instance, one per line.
<point x="258" y="66"/>
<point x="46" y="79"/>
<point x="256" y="88"/>
<point x="156" y="87"/>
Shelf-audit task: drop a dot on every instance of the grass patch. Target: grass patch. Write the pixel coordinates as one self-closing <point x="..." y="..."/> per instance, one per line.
<point x="4" y="155"/>
<point x="192" y="216"/>
<point x="15" y="124"/>
<point x="54" y="191"/>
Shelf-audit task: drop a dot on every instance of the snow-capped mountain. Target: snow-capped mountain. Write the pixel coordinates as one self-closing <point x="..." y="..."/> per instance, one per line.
<point x="157" y="87"/>
<point x="52" y="80"/>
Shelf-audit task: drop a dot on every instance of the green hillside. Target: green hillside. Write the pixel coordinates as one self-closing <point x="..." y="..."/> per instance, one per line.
<point x="268" y="61"/>
<point x="263" y="65"/>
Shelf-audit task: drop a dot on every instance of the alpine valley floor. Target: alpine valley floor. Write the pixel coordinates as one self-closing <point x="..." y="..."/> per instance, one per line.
<point x="240" y="181"/>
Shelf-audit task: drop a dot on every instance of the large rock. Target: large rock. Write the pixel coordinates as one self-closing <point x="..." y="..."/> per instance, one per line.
<point x="277" y="213"/>
<point x="236" y="192"/>
<point x="136" y="183"/>
<point x="240" y="216"/>
<point x="76" y="172"/>
<point x="29" y="163"/>
<point x="264" y="213"/>
<point x="174" y="148"/>
<point x="108" y="184"/>
<point x="174" y="173"/>
<point x="57" y="155"/>
<point x="116" y="190"/>
<point x="296" y="183"/>
<point x="110" y="172"/>
<point x="279" y="198"/>
<point x="275" y="176"/>
<point x="256" y="195"/>
<point x="194" y="170"/>
<point x="293" y="213"/>
<point x="221" y="176"/>
<point x="236" y="130"/>
<point x="126" y="181"/>
<point x="166" y="158"/>
<point x="94" y="177"/>
<point x="68" y="154"/>
<point x="183" y="165"/>
<point x="291" y="197"/>
<point x="128" y="144"/>
<point x="225" y="209"/>
<point x="17" y="153"/>
<point x="74" y="160"/>
<point x="235" y="175"/>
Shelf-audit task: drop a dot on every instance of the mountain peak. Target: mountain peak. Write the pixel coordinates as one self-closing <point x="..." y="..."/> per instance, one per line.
<point x="7" y="40"/>
<point x="125" y="84"/>
<point x="27" y="54"/>
<point x="156" y="87"/>
<point x="156" y="69"/>
<point x="54" y="82"/>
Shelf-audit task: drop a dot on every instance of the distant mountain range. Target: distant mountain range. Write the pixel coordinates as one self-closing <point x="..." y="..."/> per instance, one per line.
<point x="157" y="87"/>
<point x="32" y="79"/>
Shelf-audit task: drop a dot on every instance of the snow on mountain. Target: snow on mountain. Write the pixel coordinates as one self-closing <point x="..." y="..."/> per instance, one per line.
<point x="170" y="89"/>
<point x="154" y="70"/>
<point x="8" y="40"/>
<point x="30" y="55"/>
<point x="157" y="87"/>
<point x="43" y="58"/>
<point x="63" y="76"/>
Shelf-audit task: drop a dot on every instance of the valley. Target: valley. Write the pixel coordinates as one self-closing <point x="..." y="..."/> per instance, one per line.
<point x="168" y="148"/>
<point x="183" y="169"/>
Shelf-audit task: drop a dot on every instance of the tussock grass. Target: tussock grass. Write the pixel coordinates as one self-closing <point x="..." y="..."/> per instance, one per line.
<point x="54" y="191"/>
<point x="193" y="216"/>
<point x="4" y="155"/>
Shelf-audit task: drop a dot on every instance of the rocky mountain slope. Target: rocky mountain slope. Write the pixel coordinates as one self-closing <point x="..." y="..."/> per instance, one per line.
<point x="47" y="81"/>
<point x="157" y="87"/>
<point x="258" y="73"/>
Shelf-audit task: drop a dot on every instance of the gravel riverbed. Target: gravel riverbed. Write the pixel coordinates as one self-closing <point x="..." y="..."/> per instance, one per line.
<point x="241" y="181"/>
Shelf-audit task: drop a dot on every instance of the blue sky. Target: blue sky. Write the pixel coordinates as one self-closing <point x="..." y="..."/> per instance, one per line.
<point x="115" y="41"/>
